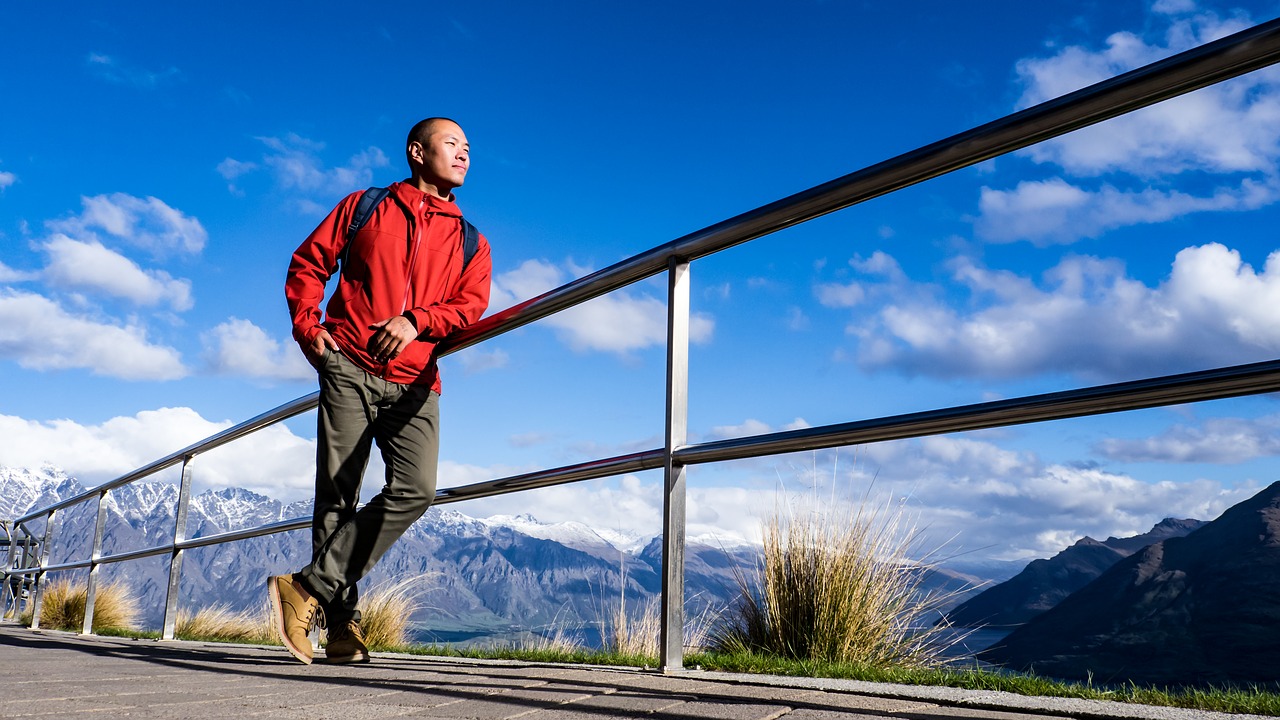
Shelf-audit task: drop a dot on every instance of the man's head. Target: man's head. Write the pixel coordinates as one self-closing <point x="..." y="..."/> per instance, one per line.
<point x="438" y="155"/>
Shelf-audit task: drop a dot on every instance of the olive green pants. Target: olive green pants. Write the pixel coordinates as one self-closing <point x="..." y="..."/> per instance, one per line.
<point x="357" y="410"/>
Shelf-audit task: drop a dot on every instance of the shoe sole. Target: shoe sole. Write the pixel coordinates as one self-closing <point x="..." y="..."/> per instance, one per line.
<point x="357" y="659"/>
<point x="277" y="619"/>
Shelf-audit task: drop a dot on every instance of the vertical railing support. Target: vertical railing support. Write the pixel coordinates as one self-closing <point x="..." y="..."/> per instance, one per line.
<point x="91" y="593"/>
<point x="11" y="533"/>
<point x="175" y="557"/>
<point x="43" y="551"/>
<point x="673" y="501"/>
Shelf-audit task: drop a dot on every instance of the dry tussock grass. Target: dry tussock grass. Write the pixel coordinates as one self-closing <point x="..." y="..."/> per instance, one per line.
<point x="219" y="624"/>
<point x="62" y="607"/>
<point x="384" y="614"/>
<point x="839" y="586"/>
<point x="639" y="634"/>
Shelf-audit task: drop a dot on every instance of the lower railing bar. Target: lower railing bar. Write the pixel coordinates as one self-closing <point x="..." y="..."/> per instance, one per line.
<point x="1217" y="384"/>
<point x="69" y="565"/>
<point x="245" y="534"/>
<point x="637" y="462"/>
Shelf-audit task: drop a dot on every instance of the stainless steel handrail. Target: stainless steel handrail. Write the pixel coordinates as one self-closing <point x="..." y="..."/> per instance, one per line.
<point x="1193" y="69"/>
<point x="1229" y="57"/>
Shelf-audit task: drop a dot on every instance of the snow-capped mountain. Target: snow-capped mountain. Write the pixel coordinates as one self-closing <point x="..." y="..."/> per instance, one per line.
<point x="476" y="575"/>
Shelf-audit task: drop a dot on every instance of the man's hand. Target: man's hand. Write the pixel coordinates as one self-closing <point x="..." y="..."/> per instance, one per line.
<point x="392" y="336"/>
<point x="315" y="350"/>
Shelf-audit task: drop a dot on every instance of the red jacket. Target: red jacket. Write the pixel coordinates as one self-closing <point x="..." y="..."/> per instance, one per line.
<point x="407" y="260"/>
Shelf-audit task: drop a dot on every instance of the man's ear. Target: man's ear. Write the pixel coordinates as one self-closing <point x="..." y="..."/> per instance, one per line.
<point x="415" y="152"/>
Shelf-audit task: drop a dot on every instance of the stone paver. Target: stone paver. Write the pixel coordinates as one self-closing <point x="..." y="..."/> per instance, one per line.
<point x="46" y="674"/>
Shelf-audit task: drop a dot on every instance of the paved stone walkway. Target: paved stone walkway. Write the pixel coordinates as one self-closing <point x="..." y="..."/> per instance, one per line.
<point x="49" y="674"/>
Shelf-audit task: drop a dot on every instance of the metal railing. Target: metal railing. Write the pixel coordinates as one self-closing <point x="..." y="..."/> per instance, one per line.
<point x="1214" y="62"/>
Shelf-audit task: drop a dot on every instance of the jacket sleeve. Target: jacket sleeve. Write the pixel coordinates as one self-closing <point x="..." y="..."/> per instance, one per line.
<point x="441" y="319"/>
<point x="313" y="263"/>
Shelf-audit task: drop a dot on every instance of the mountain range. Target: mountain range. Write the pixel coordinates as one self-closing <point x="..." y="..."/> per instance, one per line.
<point x="475" y="577"/>
<point x="1043" y="584"/>
<point x="1203" y="608"/>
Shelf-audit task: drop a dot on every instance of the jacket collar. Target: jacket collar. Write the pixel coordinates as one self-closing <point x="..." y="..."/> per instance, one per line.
<point x="413" y="198"/>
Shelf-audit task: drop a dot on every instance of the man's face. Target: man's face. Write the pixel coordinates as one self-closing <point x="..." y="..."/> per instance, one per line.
<point x="445" y="156"/>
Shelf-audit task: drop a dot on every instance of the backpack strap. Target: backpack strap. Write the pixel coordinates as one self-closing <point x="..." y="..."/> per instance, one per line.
<point x="470" y="243"/>
<point x="370" y="199"/>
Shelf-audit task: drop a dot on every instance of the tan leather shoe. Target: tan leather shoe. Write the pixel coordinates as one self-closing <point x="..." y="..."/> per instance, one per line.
<point x="346" y="644"/>
<point x="292" y="612"/>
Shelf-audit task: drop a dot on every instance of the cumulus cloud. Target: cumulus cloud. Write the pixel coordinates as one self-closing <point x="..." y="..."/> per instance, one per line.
<point x="7" y="179"/>
<point x="39" y="334"/>
<point x="238" y="347"/>
<point x="1228" y="127"/>
<point x="475" y="360"/>
<point x="751" y="426"/>
<point x="114" y="71"/>
<point x="146" y="223"/>
<point x="1229" y="132"/>
<point x="1218" y="440"/>
<point x="295" y="163"/>
<point x="623" y="321"/>
<point x="964" y="494"/>
<point x="10" y="275"/>
<point x="1057" y="212"/>
<point x="960" y="494"/>
<point x="273" y="462"/>
<point x="1085" y="316"/>
<point x="78" y="265"/>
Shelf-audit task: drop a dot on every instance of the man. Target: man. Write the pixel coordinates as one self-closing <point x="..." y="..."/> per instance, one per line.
<point x="404" y="285"/>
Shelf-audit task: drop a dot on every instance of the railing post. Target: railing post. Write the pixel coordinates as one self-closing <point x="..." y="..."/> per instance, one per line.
<point x="673" y="502"/>
<point x="91" y="592"/>
<point x="175" y="557"/>
<point x="43" y="551"/>
<point x="10" y="532"/>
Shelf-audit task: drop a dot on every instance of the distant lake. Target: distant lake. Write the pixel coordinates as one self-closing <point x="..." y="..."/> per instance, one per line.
<point x="589" y="637"/>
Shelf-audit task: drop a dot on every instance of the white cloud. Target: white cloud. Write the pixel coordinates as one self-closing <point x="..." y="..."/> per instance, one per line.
<point x="39" y="334"/>
<point x="146" y="223"/>
<point x="238" y="347"/>
<point x="475" y="360"/>
<point x="840" y="295"/>
<point x="1218" y="440"/>
<point x="114" y="71"/>
<point x="621" y="322"/>
<point x="9" y="275"/>
<point x="90" y="266"/>
<point x="7" y="179"/>
<point x="294" y="163"/>
<point x="1086" y="317"/>
<point x="274" y="461"/>
<point x="747" y="428"/>
<point x="960" y="494"/>
<point x="1229" y="132"/>
<point x="968" y="495"/>
<point x="1055" y="211"/>
<point x="1228" y="127"/>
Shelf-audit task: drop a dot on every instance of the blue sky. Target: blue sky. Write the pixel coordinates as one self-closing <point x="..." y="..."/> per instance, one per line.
<point x="159" y="163"/>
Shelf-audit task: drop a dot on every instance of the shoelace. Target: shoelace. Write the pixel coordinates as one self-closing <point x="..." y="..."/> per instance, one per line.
<point x="350" y="629"/>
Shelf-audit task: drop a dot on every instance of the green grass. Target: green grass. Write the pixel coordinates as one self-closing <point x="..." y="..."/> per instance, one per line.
<point x="1251" y="700"/>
